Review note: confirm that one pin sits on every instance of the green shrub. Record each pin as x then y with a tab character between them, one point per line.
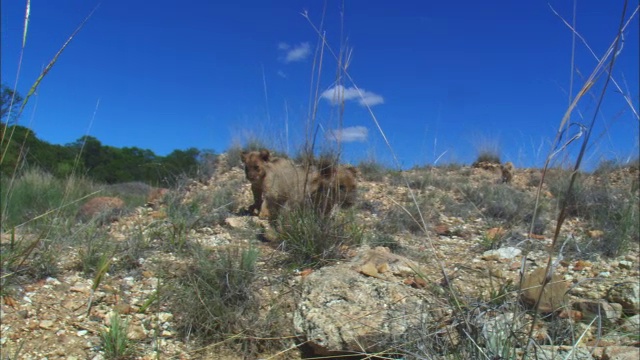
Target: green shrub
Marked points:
313	239
214	298
187	211
36	193
372	170
115	343
614	210
501	202
487	156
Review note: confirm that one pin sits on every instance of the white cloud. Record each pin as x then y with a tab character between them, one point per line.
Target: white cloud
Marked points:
338	93
295	53
348	134
282	74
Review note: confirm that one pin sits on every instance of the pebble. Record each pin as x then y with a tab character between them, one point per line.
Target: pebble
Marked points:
624	264
46	324
165	317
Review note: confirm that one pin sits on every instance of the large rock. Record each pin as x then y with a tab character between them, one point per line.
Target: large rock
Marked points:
360	306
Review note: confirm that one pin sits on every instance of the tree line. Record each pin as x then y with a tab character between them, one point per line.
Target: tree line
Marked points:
107	164
20	148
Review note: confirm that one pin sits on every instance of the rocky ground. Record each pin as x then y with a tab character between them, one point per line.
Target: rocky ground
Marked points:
382	291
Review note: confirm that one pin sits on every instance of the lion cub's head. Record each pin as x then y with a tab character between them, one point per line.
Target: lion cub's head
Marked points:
254	162
335	185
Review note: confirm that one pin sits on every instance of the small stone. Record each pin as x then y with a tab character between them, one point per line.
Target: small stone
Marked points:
165	317
581	265
136	332
595	234
79	289
624	264
46	324
52	281
235	222
122	308
502	253
82	332
605	274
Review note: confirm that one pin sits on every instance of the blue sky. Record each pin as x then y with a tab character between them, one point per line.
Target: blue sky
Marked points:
442	78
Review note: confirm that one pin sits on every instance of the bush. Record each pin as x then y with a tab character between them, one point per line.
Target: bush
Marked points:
487	156
501	202
214	300
187	211
612	210
35	193
372	170
115	343
312	239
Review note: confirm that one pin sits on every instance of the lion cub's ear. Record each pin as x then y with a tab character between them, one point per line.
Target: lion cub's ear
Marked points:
243	156
265	154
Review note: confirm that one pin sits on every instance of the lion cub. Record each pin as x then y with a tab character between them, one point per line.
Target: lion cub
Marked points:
335	185
507	172
254	171
277	183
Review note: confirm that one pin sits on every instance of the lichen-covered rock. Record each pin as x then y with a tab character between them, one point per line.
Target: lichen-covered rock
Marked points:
626	294
344	309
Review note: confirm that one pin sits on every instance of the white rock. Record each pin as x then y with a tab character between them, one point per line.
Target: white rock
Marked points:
164	316
502	253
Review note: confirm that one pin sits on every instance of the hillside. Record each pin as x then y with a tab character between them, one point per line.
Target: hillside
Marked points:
197	277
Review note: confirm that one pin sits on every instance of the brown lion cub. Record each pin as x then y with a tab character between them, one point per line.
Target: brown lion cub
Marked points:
254	171
507	172
335	185
288	185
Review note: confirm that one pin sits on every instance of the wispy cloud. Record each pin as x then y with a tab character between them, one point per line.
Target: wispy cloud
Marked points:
294	53
282	74
338	93
348	134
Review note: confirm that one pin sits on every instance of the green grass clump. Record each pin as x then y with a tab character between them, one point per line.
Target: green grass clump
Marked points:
487	156
187	211
313	239
501	202
612	209
115	343
35	193
372	170
214	298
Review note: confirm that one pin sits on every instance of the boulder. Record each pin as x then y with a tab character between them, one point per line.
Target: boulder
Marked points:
360	306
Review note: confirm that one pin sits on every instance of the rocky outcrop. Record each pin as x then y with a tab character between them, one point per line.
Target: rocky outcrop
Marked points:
360	306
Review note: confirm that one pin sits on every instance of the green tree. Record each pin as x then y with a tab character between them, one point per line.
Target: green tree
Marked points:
9	103
180	163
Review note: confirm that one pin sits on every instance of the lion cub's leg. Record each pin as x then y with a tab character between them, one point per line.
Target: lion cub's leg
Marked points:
256	189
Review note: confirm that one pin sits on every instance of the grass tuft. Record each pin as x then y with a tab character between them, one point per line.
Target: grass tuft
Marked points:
115	343
312	239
